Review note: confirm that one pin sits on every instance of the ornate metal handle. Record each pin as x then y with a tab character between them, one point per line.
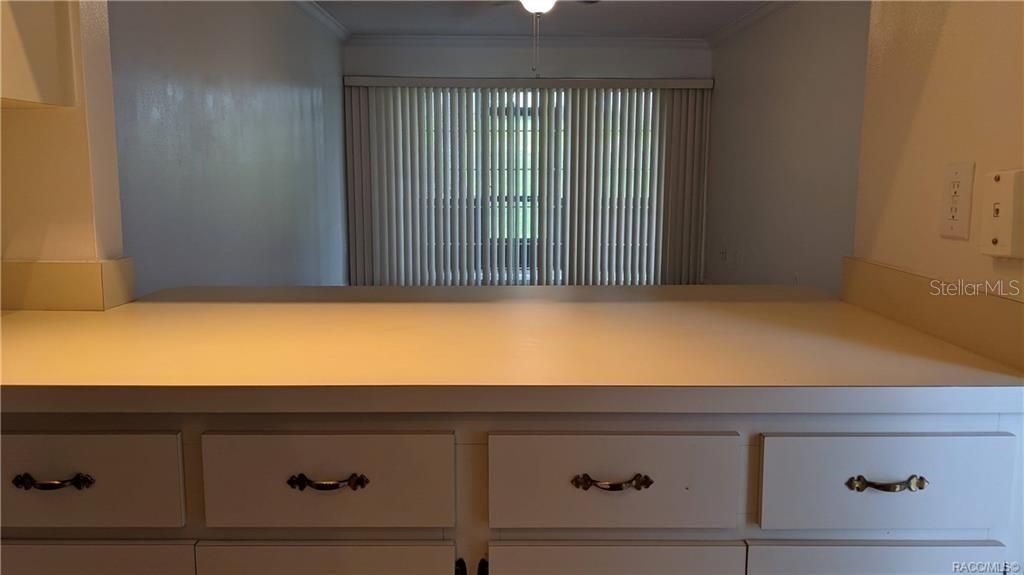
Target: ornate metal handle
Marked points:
354	482
638	482
913	483
80	481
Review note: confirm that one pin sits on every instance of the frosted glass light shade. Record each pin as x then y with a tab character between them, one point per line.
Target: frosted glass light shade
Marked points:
537	6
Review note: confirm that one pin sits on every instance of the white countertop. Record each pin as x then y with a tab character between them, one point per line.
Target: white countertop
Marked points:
678	337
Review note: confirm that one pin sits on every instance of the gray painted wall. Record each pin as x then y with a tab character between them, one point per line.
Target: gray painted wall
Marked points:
512	57
785	138
229	143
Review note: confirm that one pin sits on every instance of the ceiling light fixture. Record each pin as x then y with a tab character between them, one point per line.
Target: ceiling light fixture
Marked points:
537	6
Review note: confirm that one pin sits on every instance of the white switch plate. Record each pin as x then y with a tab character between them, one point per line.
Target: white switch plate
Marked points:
1002	217
957	191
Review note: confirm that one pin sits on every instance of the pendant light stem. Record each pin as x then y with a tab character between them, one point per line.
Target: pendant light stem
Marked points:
536	44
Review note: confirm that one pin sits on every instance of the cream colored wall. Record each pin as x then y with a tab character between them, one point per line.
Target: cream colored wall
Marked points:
47	200
35	40
98	95
785	131
229	131
945	83
59	186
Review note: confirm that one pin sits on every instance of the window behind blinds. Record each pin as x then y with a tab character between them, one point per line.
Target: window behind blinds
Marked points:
510	186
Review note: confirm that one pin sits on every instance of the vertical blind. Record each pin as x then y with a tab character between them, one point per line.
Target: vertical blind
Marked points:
525	186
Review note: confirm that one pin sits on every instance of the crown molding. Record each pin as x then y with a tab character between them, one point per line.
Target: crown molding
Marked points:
320	14
474	41
746	20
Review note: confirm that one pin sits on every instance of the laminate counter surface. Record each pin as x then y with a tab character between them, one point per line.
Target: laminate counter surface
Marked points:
726	336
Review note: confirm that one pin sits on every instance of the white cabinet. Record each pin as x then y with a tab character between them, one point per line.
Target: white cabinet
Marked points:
518	498
937	481
329	480
650	480
92	480
611	558
97	558
324	558
873	557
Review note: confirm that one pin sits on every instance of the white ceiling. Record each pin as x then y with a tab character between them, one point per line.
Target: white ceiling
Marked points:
610	18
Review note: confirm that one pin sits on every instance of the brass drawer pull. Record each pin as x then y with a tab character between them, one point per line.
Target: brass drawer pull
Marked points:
913	483
354	482
638	482
80	481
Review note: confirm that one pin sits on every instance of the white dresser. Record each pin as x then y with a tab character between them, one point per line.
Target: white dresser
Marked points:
687	438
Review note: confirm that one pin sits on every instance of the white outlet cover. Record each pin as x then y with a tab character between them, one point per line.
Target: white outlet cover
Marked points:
957	196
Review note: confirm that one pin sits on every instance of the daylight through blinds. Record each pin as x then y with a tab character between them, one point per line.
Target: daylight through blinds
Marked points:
525	186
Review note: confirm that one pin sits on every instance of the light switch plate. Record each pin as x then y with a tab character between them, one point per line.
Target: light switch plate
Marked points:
957	191
1002	217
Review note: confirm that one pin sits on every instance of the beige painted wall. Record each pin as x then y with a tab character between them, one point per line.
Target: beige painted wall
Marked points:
98	95
59	179
945	83
229	132
784	146
36	47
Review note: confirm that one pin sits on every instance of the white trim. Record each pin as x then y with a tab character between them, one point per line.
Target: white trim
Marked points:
424	82
757	14
321	15
467	40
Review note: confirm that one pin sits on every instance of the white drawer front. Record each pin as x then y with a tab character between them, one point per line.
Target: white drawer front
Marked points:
872	558
805	481
411	480
289	558
98	558
696	480
137	480
610	558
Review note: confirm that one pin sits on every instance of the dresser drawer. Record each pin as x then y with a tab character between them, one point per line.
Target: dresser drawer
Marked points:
542	480
98	558
842	481
286	480
108	480
324	558
872	557
613	558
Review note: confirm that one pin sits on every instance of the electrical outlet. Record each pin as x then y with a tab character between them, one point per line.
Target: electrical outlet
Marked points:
957	192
